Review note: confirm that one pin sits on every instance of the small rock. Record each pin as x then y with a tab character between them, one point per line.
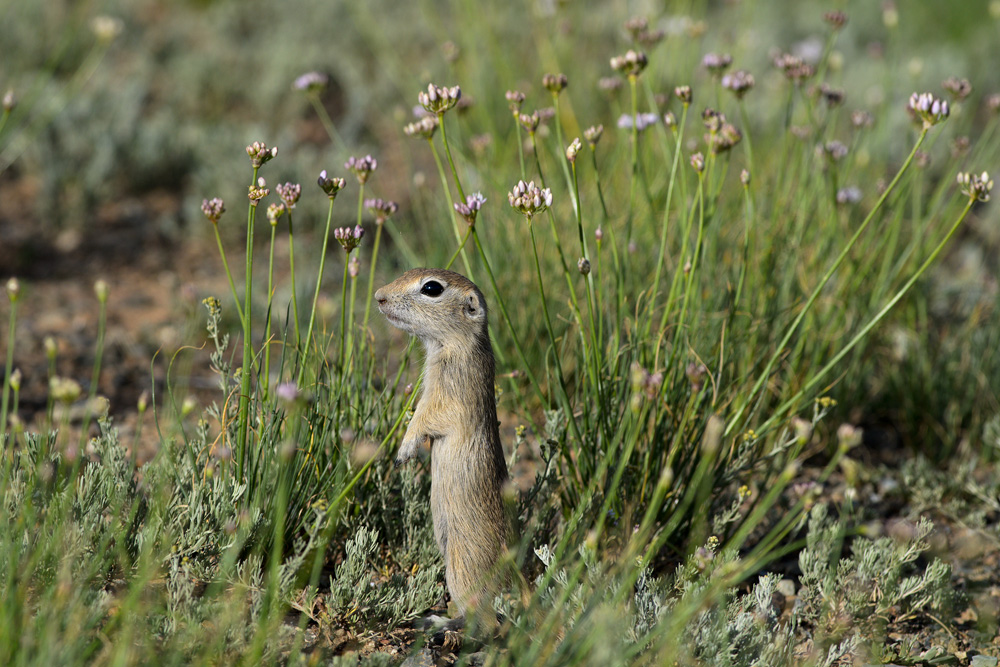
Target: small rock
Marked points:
422	658
983	661
786	587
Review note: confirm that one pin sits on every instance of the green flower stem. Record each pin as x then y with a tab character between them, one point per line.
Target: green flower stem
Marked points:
371	278
451	162
8	367
560	147
451	203
657	275
343	318
689	282
229	275
555	237
319	282
461	246
510	325
679	272
247	368
814	380
595	348
267	319
765	373
520	145
564	393
634	182
291	269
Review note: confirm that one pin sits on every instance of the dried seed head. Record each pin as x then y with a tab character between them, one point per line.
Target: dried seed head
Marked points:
670	120
890	15
529	200
331	186
257	192
598	235
425	127
803	430
583	265
745	177
450	51
640	122
362	167
106	28
260	154
631	64
795	69
695	373
927	109
960	146
609	83
469	209
976	187
959	88
572	150
836	19
683	93
861	118
593	134
739	82
13	289
9	101
712	119
312	82
698	162
849	195
289	193
275	211
650	38
515	99
438	100
635	26
530	122
723	140
848	436
833	97
349	238
834	150
555	83
381	209
64	390
716	63
213	209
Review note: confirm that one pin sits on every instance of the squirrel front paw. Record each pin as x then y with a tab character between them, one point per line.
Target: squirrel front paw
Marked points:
410	447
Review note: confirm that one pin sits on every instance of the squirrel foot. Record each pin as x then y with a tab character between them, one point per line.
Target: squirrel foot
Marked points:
437	623
411	447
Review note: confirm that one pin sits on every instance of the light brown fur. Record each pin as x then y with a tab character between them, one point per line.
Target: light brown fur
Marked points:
457	414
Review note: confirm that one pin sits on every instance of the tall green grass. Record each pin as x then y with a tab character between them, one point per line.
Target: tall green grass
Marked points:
675	300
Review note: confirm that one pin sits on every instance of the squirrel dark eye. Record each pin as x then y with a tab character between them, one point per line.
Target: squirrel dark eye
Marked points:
432	288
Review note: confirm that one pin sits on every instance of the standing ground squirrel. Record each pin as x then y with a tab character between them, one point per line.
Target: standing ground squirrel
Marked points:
457	416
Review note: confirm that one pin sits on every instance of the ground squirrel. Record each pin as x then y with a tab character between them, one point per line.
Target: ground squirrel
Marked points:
457	416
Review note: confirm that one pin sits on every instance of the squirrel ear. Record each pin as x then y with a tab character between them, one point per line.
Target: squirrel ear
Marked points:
472	307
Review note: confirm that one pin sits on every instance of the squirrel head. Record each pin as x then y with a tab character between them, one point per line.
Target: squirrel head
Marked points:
442	308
